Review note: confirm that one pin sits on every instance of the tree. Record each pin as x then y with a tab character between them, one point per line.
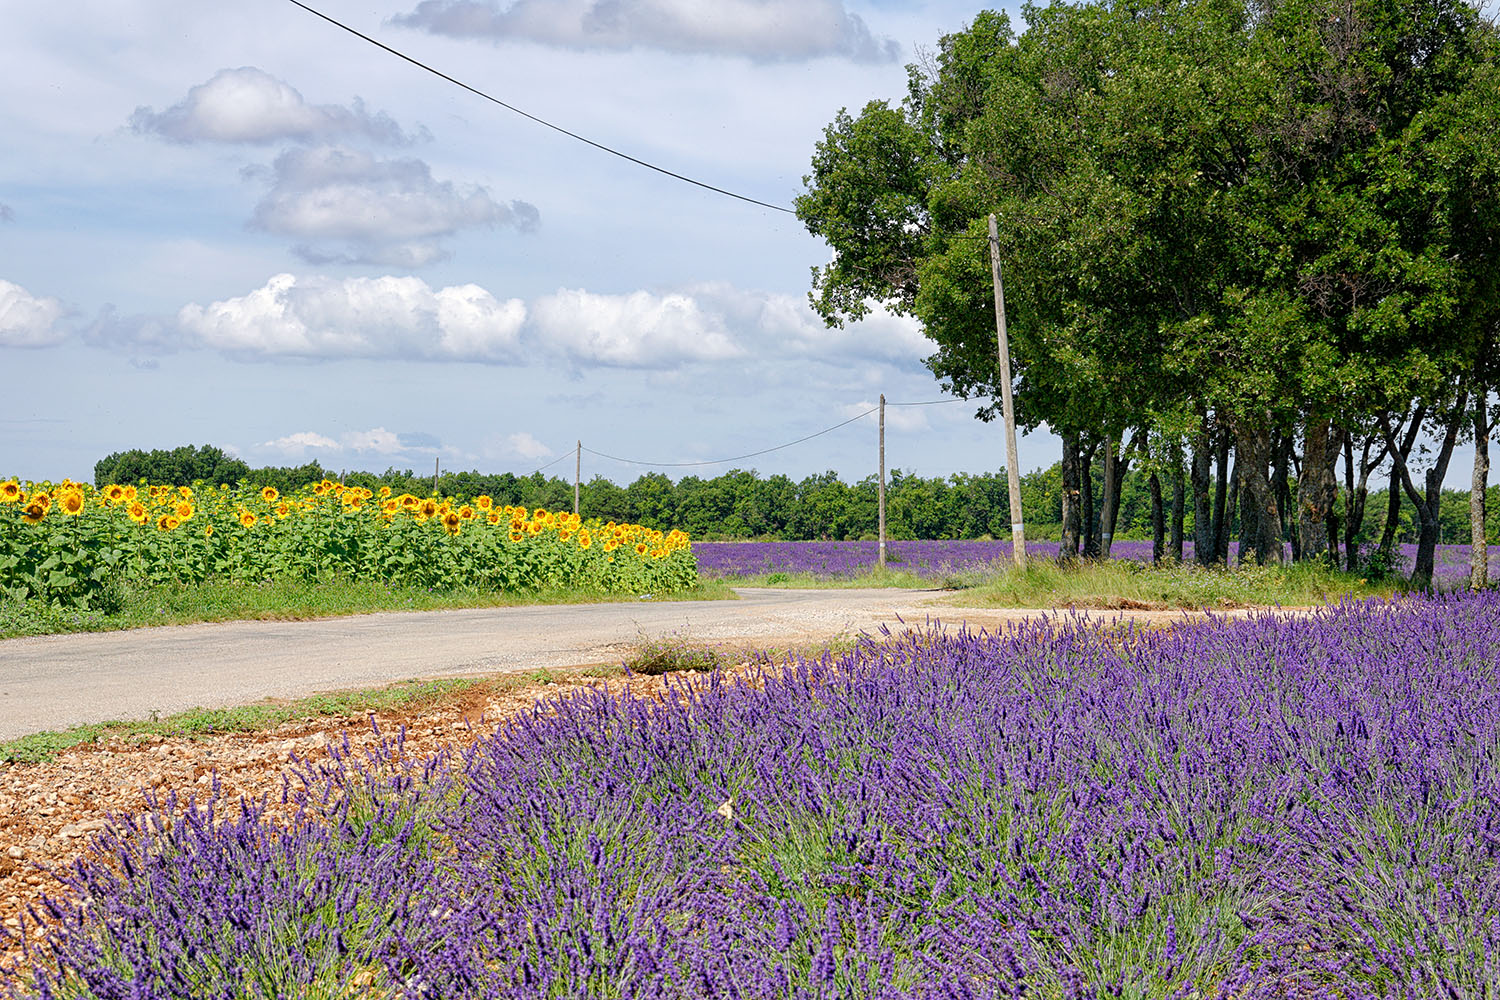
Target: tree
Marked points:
1258	214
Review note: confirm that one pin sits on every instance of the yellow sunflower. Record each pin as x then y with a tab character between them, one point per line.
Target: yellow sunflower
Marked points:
184	511
493	517
515	535
641	548
247	519
585	539
71	503
429	508
127	494
283	511
483	502
33	512
451	522
43	499
208	531
137	512
114	493
385	491
466	512
269	494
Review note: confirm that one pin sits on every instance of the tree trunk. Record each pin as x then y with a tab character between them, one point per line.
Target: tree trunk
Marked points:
1317	488
1398	455
1221	513
1428	499
1068	553
1387	547
1158	521
1356	493
1179	507
1203	522
1479	552
1109	503
1281	460
1260	518
1086	488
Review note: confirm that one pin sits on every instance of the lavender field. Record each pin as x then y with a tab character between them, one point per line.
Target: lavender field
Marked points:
1278	807
933	559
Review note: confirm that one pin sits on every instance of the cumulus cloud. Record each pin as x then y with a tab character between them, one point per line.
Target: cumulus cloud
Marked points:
301	443
386	317
27	320
519	445
633	330
405	318
353	207
898	418
763	30
248	105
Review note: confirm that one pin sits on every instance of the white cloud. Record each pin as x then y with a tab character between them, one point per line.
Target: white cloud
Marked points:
301	443
354	207
519	445
26	320
763	30
897	418
376	439
248	105
634	330
386	317
788	323
7	214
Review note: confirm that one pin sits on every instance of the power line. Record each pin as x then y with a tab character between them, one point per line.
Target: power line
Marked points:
549	464
572	135
763	451
540	121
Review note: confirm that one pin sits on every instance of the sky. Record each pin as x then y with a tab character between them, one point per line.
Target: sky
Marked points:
238	225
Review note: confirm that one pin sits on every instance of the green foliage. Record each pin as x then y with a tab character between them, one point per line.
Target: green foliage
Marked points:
670	654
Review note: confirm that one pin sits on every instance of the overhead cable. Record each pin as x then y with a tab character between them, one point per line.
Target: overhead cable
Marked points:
570	134
763	451
540	121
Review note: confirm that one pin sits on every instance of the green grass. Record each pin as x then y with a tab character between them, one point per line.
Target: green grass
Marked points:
218	601
870	578
1124	584
408	696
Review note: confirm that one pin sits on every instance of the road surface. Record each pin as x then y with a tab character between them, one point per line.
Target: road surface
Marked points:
54	682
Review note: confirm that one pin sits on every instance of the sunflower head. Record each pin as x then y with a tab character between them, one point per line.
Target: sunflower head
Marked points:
269	494
184	510
138	512
385	491
466	512
33	512
429	508
10	492
43	499
515	535
114	493
483	502
71	503
493	517
127	494
451	522
247	519
208	531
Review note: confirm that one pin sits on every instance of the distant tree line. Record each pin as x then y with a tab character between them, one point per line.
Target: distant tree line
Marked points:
741	504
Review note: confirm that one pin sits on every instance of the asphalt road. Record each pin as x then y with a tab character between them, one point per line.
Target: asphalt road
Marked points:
54	682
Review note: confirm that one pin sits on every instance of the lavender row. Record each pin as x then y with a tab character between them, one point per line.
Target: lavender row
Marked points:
1272	808
941	558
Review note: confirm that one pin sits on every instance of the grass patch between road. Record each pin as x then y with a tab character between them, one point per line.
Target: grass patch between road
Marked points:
296	600
1124	584
407	696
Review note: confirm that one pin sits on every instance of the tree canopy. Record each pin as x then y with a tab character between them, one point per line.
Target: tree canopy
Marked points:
1259	228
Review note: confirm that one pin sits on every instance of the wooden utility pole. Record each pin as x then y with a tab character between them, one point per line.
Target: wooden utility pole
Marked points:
882	481
435	463
1007	408
577	471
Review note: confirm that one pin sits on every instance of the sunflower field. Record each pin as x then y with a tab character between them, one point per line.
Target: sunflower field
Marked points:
69	544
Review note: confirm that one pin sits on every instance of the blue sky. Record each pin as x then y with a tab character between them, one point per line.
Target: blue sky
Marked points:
238	225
